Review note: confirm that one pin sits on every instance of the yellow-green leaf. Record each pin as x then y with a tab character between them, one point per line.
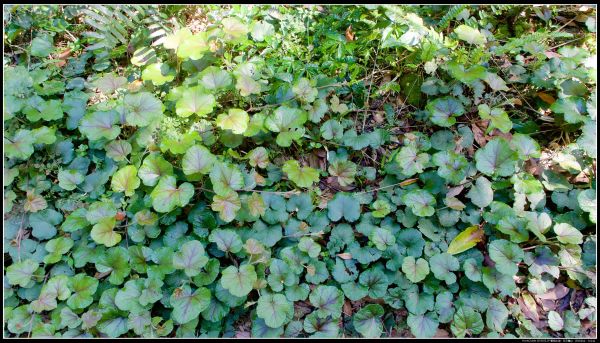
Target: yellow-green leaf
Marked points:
466	240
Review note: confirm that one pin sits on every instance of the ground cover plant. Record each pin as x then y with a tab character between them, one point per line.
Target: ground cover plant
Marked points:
299	171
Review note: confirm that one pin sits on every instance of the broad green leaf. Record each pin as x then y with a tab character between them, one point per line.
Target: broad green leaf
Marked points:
191	46
235	120
166	196
555	321
525	146
444	110
368	322
411	161
142	109
328	300
214	78
572	108
317	327
191	258
187	305
332	129
256	204
587	202
127	298
497	116
343	205
44	223
118	150
506	255
99	211
381	209
103	232
495	82
226	240
158	73
44	135
309	246
415	270
226	177
151	292
261	30
110	83
567	234
57	247
174	40
258	157
304	91
588	139
247	85
234	29
153	168
197	159
20	146
83	288
422	326
421	202
227	205
239	281
497	315
195	100
481	192
337	107
344	171
443	265
42	45
301	176
125	180
382	238
466	322
75	221
275	309
288	122
451	166
20	273
496	158
69	179
100	124
470	35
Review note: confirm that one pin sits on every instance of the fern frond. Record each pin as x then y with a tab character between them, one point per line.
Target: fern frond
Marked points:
113	26
539	37
452	13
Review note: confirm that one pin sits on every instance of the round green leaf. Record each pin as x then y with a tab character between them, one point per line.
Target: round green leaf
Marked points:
125	180
368	322
239	282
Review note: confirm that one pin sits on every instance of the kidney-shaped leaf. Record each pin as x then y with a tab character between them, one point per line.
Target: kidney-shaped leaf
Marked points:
496	158
239	282
301	176
227	205
100	124
343	205
191	258
166	196
195	100
444	110
275	309
368	322
187	305
197	159
125	180
142	109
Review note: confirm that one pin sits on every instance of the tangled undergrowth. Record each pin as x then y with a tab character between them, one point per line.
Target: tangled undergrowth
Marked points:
299	171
